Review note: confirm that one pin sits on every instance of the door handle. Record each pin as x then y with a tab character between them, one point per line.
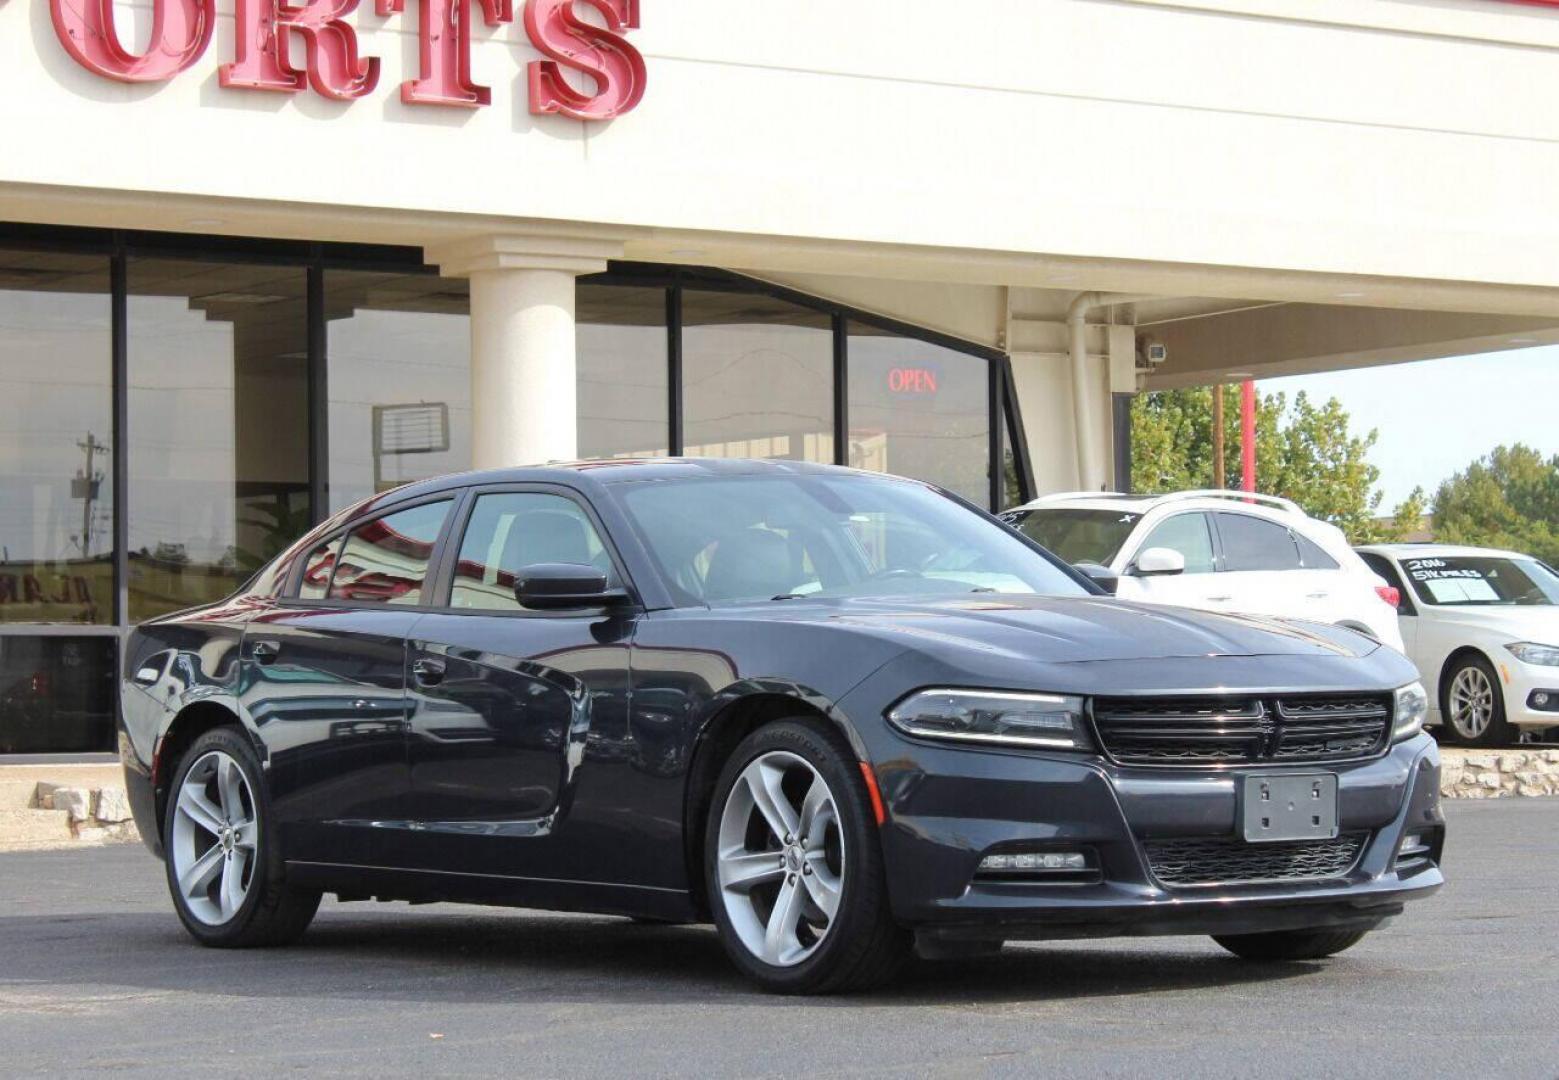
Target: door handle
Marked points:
1317	595
428	672
1219	599
265	652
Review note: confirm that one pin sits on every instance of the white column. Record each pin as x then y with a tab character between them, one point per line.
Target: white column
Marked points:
523	366
1043	380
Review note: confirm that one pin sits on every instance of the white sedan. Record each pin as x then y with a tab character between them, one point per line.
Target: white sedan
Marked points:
1483	627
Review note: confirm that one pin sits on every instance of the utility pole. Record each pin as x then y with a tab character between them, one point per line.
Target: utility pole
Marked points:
1220	475
85	487
1248	433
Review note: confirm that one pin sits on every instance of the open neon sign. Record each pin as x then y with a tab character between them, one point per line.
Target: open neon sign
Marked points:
908	380
181	32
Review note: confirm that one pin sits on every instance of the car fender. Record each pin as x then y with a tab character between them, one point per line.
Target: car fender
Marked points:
751	691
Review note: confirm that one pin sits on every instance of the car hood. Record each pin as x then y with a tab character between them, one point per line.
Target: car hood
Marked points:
1533	622
1076	630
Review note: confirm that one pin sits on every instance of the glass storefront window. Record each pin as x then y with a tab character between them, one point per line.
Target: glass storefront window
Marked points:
920	410
757	378
56	436
399	378
624	375
1011	482
218	439
219	405
56	694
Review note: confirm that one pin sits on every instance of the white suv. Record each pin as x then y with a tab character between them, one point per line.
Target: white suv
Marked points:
1219	550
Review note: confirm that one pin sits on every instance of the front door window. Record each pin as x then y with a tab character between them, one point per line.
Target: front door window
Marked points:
1189	535
510	531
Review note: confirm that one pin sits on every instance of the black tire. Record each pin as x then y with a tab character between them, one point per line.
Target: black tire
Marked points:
1499	731
863	946
1283	946
272	912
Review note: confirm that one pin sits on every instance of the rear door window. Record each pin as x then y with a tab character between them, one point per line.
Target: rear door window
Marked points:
386	560
1252	543
1188	534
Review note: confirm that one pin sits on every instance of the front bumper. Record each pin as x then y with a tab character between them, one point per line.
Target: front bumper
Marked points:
946	808
1518	682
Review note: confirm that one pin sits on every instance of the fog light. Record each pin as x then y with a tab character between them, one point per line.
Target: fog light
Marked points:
1540	699
1035	861
1414	845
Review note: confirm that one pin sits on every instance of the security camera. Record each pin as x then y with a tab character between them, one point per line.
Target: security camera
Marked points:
1156	354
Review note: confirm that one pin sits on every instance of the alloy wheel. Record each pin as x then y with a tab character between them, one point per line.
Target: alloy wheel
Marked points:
215	833
1472	702
781	858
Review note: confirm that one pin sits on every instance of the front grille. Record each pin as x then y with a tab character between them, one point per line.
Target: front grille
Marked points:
1242	730
1229	861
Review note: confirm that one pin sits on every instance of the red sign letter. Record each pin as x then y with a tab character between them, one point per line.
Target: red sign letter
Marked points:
445	35
264	31
616	67
181	30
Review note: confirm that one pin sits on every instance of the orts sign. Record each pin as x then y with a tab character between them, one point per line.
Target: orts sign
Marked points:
181	30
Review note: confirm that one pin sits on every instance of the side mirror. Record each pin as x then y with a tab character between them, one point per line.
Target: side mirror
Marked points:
1159	562
563	586
1101	576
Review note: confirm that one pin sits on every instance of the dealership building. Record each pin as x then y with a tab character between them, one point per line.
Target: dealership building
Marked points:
260	260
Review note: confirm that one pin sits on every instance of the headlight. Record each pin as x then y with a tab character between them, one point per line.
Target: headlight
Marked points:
1051	721
1531	653
1412	709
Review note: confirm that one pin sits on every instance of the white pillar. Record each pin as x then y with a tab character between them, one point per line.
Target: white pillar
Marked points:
523	365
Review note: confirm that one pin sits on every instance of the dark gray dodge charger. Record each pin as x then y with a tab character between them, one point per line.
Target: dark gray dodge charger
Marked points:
846	717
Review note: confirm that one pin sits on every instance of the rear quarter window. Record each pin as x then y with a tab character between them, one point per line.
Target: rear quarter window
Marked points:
1253	543
1311	555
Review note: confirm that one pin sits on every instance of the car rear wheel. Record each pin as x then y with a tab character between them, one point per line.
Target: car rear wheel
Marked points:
223	866
794	868
1472	706
1287	945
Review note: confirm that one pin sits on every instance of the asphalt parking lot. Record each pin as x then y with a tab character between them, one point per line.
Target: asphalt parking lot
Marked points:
96	976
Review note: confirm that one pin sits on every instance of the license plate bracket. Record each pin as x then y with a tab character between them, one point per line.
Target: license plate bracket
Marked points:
1298	806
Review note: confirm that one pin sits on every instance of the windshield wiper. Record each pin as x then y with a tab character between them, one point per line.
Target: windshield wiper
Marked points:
789	596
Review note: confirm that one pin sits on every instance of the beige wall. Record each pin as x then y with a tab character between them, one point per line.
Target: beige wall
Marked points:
947	165
1182	132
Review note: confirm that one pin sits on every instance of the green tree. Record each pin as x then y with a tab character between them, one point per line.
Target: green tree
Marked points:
1508	499
1306	452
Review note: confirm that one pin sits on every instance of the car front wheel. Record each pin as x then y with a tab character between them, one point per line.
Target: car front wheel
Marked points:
1472	705
224	869
794	868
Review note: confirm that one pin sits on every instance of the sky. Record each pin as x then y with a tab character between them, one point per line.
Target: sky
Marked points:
1436	416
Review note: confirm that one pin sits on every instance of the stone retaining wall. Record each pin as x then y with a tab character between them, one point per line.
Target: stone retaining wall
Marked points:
1497	774
97	815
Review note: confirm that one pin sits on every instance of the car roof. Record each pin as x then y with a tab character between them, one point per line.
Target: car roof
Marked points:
585	474
610	470
1264	505
1432	551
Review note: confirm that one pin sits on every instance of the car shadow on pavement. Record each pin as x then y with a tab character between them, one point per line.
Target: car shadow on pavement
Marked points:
449	958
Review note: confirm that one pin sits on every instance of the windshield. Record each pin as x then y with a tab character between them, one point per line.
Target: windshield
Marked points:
1077	536
732	539
1477	580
